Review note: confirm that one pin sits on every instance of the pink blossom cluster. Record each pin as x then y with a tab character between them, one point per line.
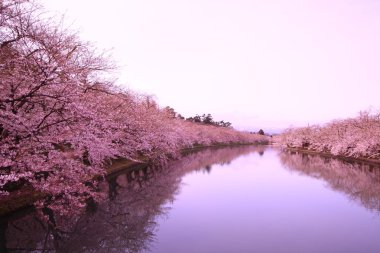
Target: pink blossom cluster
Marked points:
354	137
62	121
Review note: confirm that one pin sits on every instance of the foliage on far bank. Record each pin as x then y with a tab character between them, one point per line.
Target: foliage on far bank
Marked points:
205	119
62	120
357	137
208	120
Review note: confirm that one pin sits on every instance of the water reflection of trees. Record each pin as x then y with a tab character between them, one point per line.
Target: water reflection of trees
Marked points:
361	182
123	223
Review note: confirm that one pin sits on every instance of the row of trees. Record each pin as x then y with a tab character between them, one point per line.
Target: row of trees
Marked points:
355	137
62	120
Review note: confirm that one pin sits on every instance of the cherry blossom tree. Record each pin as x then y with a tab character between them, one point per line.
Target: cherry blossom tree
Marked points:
62	121
51	137
355	137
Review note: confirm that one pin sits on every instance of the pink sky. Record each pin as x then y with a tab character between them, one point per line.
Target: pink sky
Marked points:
258	64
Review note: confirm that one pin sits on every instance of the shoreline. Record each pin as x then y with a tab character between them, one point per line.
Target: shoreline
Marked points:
350	159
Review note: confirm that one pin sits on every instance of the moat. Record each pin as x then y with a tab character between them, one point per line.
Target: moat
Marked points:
232	199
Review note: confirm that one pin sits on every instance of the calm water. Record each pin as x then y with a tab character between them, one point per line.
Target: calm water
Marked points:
242	199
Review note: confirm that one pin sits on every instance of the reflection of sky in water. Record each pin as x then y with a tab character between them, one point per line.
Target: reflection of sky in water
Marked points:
242	199
254	204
